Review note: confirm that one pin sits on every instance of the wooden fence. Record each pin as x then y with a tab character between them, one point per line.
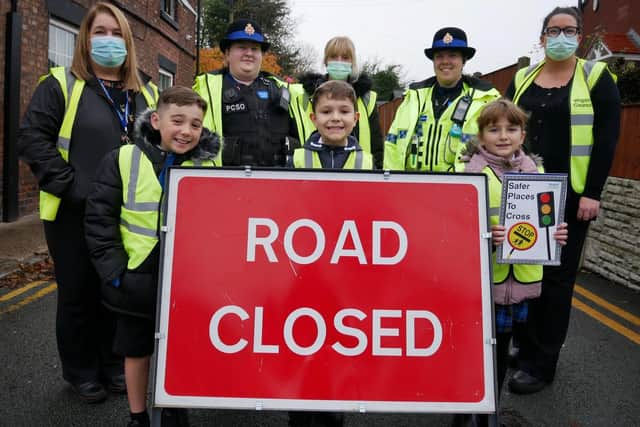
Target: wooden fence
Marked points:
626	163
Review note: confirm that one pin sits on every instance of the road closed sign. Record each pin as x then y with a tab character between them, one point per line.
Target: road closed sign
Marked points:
325	291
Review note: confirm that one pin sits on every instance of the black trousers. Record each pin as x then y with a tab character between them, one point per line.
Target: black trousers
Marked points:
548	319
84	327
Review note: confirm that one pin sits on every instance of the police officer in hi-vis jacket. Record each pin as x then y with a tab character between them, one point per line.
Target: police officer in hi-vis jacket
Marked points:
438	115
249	108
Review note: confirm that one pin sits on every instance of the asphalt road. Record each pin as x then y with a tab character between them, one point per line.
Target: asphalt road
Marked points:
598	381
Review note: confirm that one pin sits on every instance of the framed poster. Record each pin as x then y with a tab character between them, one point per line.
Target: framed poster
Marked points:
532	206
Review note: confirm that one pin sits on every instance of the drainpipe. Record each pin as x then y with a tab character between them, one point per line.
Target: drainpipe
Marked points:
10	171
198	35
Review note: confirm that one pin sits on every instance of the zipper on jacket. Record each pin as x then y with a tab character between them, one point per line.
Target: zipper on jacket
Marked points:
436	146
426	145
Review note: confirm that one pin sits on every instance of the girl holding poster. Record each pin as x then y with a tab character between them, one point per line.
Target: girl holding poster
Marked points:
498	150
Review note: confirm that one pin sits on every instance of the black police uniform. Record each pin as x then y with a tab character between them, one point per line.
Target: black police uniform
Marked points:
258	129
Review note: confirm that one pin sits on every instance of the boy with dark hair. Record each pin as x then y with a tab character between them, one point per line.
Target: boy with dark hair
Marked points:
332	146
122	219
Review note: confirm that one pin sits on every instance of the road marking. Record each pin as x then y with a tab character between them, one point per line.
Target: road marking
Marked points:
42	292
605	304
20	291
622	330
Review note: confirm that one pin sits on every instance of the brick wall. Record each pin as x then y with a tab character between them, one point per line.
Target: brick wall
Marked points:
611	248
153	35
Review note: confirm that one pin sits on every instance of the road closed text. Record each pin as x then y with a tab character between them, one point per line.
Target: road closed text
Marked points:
263	232
428	321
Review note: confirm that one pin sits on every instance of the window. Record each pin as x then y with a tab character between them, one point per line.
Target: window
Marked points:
62	41
168	7
166	80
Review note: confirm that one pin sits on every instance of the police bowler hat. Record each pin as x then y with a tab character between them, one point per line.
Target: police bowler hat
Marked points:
450	38
243	30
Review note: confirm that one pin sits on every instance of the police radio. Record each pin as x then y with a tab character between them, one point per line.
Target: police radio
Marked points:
285	98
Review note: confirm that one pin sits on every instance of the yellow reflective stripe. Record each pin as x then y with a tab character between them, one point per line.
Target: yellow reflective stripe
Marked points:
132	189
64	136
359	160
308	159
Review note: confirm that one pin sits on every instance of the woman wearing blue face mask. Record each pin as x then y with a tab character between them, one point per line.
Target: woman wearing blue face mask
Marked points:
340	63
75	117
574	125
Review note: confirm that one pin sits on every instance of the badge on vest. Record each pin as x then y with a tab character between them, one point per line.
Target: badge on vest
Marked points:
238	107
262	94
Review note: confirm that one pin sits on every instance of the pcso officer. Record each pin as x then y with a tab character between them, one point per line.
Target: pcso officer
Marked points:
438	115
247	107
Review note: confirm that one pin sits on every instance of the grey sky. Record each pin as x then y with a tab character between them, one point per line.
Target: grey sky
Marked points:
397	31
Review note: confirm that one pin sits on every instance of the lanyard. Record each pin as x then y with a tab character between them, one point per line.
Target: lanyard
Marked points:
122	117
168	161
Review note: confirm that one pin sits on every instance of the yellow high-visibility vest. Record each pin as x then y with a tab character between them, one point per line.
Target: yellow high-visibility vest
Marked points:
585	77
49	204
140	211
303	158
417	141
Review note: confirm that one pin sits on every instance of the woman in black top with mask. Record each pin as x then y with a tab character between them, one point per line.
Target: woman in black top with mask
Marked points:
574	125
75	117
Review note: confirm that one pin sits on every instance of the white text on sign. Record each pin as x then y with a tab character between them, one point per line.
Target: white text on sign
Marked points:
378	332
349	229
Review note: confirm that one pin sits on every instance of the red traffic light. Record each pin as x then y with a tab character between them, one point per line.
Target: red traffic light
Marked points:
545	197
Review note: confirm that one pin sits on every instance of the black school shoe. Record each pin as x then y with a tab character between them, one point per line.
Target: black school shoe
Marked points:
524	383
90	391
117	384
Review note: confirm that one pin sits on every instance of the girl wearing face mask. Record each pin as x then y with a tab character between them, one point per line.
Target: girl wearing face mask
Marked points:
574	109
75	117
340	64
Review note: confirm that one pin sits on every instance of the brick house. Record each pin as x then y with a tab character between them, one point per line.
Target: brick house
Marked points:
44	33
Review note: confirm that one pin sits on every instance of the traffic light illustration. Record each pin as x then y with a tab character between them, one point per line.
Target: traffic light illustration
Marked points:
546	209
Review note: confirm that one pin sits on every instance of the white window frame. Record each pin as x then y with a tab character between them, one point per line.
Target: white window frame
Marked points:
168	74
62	26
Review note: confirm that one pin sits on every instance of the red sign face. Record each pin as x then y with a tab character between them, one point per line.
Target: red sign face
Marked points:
325	290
